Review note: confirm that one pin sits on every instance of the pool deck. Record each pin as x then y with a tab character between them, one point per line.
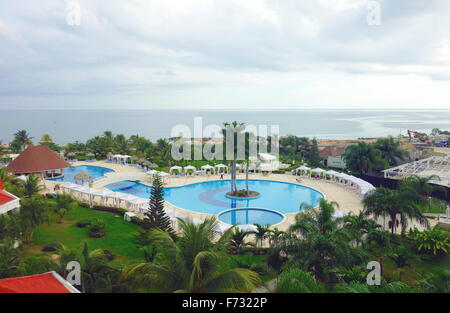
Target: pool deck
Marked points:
348	199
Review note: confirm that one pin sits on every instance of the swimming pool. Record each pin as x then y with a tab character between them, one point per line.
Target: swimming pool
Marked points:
209	197
251	216
95	171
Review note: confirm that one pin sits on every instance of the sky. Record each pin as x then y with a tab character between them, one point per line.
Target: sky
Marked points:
233	54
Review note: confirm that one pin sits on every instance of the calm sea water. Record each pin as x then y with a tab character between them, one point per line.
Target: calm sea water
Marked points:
70	125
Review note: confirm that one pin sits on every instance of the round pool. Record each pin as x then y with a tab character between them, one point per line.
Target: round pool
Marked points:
210	197
246	216
96	172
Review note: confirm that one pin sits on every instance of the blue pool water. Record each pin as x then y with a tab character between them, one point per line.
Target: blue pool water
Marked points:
209	197
250	216
95	171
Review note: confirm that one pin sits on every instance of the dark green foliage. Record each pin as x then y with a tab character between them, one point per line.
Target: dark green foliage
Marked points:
157	217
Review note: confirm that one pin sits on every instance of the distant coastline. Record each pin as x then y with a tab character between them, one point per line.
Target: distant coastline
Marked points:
71	125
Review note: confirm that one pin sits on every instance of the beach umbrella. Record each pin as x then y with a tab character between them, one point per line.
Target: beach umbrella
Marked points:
82	176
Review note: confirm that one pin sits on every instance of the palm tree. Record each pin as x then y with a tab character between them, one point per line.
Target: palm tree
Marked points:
422	185
33	212
363	158
390	150
31	185
320	245
232	130
96	274
261	233
46	138
401	203
196	263
23	138
359	226
237	242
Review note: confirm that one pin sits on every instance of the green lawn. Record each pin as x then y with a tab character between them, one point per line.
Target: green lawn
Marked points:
119	235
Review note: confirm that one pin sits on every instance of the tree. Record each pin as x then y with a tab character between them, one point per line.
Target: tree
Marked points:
318	244
261	233
363	158
359	226
121	144
436	240
231	132
156	217
31	185
46	138
10	261
23	139
297	281
63	203
390	150
32	213
422	185
313	155
399	205
99	146
196	263
237	241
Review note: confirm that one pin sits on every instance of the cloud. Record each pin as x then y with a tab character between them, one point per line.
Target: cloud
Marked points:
159	52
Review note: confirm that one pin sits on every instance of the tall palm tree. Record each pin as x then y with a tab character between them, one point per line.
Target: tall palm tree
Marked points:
399	205
23	138
196	263
232	130
261	233
31	185
359	226
390	150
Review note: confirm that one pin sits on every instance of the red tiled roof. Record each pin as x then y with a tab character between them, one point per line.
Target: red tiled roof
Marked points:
37	159
41	283
4	198
331	151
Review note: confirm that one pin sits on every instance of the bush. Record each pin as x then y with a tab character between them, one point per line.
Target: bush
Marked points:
83	223
261	268
279	172
117	211
96	229
51	247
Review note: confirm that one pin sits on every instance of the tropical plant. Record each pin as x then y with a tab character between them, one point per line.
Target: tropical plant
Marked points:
63	203
422	185
297	281
390	150
435	240
399	205
359	226
23	138
237	241
363	158
196	263
10	261
33	211
31	185
156	216
231	132
261	233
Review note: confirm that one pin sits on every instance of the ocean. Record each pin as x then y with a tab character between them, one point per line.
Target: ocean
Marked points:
70	125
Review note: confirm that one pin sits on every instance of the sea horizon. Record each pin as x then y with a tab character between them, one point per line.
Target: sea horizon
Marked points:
70	125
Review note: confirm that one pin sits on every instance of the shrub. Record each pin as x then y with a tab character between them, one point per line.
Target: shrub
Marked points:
96	229
436	240
51	247
83	223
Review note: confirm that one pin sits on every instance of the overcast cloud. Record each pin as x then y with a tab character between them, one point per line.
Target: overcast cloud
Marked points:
224	54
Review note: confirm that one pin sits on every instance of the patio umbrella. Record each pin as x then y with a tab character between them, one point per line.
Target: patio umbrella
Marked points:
82	176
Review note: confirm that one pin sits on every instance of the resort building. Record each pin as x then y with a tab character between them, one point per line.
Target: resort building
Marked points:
40	160
8	201
435	165
332	156
49	282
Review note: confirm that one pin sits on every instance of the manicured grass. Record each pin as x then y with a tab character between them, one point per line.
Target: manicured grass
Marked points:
119	235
